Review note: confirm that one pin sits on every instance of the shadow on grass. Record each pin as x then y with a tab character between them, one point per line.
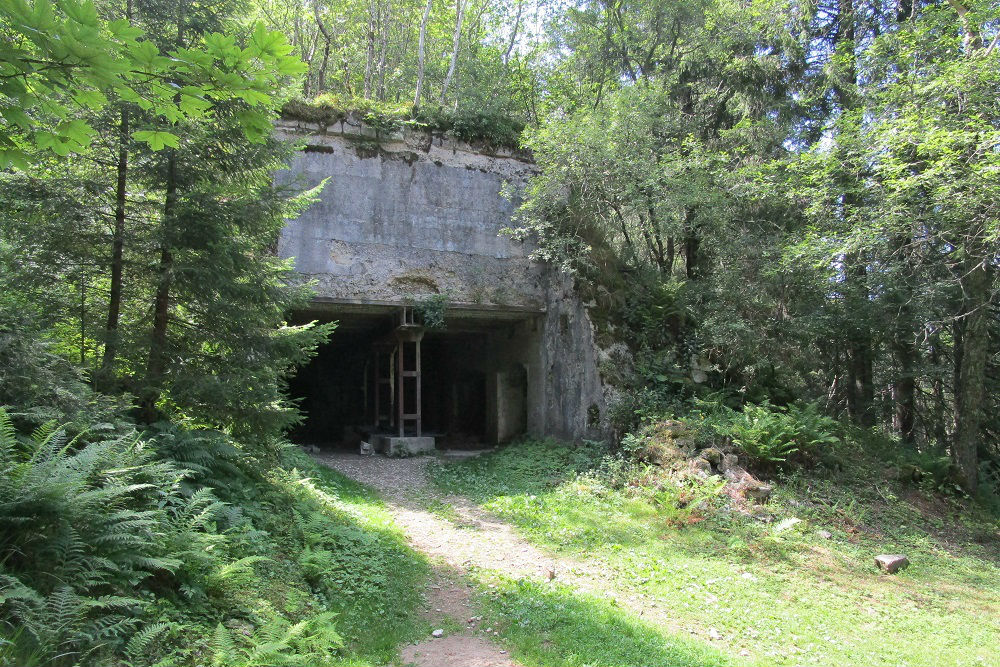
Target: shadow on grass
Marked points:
554	627
357	560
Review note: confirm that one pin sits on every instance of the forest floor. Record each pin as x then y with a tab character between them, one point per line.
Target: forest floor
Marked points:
536	564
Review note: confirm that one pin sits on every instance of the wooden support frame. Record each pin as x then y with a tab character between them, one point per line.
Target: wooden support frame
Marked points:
390	368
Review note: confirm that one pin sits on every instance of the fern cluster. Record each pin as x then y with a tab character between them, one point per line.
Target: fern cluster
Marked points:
82	525
112	553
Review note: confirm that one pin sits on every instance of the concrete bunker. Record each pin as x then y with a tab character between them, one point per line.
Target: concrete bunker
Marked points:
385	379
420	217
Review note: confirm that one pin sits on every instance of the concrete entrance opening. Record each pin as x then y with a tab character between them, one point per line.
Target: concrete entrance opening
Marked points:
385	379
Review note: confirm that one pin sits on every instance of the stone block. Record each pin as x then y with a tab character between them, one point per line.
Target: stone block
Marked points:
405	446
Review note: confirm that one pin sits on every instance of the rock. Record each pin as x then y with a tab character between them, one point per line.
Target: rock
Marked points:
825	534
712	455
892	563
728	462
437	633
700	466
713	634
787	524
366	449
758	491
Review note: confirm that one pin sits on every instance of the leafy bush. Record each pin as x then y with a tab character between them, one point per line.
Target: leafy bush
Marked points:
431	310
109	553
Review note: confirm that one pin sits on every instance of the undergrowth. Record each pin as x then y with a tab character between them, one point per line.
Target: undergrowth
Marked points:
114	549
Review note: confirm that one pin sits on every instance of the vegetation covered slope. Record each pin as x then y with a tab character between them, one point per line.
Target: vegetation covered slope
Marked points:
753	582
112	553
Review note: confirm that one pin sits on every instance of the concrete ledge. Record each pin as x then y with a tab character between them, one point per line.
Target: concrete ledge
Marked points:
407	446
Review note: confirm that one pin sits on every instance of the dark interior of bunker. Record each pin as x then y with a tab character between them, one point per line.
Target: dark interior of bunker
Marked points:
462	385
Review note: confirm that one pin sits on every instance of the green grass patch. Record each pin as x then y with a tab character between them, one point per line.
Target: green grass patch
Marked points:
785	596
552	626
354	559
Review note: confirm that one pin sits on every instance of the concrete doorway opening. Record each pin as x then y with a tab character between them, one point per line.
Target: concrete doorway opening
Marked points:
386	380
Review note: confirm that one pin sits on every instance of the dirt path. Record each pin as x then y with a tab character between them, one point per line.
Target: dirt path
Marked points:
458	536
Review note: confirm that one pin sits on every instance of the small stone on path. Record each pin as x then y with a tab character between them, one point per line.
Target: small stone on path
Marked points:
438	633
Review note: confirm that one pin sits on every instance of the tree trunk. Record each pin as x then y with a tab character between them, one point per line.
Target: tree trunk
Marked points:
161	303
970	386
692	245
370	50
860	355
904	388
383	49
155	364
420	55
513	32
903	345
117	248
117	238
321	76
460	9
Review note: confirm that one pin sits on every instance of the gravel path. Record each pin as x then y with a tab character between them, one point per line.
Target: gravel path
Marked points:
460	536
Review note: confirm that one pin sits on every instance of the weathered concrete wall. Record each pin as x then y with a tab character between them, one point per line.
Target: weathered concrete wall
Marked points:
406	217
414	214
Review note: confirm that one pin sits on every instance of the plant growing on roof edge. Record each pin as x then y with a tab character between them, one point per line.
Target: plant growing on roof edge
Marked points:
431	309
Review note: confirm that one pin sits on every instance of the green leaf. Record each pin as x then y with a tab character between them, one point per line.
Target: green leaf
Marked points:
17	117
157	139
256	126
92	99
13	158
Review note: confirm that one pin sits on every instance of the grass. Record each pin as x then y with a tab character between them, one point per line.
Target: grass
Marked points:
772	596
372	578
552	625
492	128
327	544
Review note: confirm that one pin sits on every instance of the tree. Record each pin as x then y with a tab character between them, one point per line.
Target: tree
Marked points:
59	58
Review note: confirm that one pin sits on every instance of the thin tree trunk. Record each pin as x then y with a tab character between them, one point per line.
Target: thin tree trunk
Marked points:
370	51
420	55
161	303
117	247
903	344
321	77
456	42
860	358
692	245
513	33
155	364
117	238
383	49
970	387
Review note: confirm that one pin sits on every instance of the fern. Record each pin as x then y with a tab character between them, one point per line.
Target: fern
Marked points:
140	642
82	524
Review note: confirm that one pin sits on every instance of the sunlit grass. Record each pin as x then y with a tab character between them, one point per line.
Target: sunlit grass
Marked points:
782	597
